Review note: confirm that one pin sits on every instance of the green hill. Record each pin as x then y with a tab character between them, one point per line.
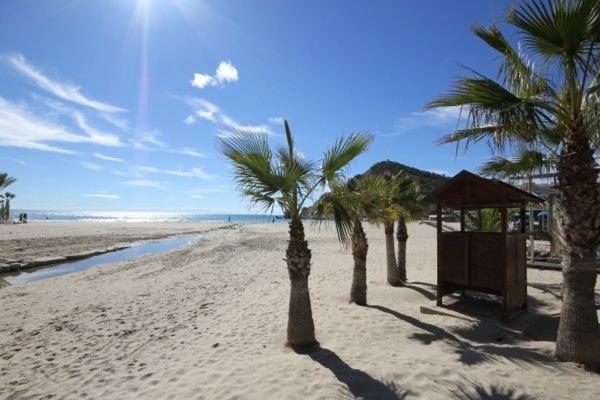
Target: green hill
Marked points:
427	180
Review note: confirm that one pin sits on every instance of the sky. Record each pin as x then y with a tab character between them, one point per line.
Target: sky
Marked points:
118	104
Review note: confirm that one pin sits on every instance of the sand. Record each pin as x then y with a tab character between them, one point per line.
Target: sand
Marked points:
208	322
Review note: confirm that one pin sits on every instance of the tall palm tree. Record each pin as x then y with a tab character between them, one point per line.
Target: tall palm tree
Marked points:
408	202
554	108
348	204
285	177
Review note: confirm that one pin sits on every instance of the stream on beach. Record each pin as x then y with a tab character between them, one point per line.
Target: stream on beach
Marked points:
136	251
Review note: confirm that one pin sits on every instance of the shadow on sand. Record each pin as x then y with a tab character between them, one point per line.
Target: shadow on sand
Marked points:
470	353
426	293
359	384
493	392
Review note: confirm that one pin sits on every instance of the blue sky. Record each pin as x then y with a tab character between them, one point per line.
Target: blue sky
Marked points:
117	104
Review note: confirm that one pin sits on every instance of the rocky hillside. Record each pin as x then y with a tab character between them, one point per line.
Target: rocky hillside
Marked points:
427	180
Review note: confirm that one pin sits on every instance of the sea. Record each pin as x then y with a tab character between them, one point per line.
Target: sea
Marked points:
143	216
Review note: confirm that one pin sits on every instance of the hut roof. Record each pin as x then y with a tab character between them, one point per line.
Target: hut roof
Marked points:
468	190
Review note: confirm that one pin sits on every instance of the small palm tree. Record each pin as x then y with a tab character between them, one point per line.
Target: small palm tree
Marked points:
7	198
288	179
554	108
409	205
347	205
5	181
483	220
399	202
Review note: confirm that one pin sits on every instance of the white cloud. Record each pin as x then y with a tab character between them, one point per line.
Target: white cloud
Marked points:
276	120
225	72
107	158
191	173
192	152
143	183
102	196
117	122
96	136
204	109
443	117
65	91
148	141
19	127
202	80
198	196
91	166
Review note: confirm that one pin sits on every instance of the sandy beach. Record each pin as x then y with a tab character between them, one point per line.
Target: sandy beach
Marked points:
208	322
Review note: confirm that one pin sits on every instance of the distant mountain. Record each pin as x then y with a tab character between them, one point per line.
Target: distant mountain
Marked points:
427	180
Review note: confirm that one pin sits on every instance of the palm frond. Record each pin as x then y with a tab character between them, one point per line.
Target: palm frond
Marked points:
483	220
344	150
340	206
6	180
495	113
526	162
517	72
252	160
554	28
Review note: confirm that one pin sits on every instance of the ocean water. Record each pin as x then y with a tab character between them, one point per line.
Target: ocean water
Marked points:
142	216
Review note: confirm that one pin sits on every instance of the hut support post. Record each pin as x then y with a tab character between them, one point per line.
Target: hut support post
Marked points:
439	234
504	258
522	219
462	219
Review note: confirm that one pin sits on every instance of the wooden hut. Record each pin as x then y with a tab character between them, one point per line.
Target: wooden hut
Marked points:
488	262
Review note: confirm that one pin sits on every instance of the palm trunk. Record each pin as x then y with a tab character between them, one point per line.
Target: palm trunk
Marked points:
7	211
392	269
301	329
358	293
402	237
579	218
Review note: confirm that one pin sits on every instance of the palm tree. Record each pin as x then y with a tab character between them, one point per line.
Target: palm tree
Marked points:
555	109
483	220
7	198
348	204
6	180
397	205
288	179
408	203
